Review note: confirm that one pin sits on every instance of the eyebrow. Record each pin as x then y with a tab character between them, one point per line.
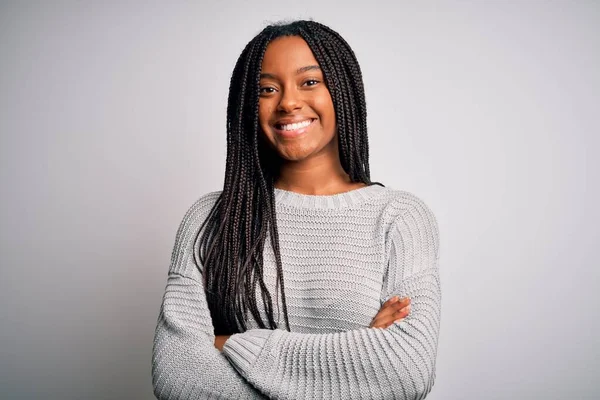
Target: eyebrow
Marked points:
298	71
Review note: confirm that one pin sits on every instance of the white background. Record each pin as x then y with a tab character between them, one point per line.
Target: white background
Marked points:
112	121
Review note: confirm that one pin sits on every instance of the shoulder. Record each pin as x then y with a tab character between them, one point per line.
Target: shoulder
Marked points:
398	204
200	209
187	234
410	218
197	213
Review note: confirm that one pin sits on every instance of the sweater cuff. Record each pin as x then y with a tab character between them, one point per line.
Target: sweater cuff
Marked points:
242	349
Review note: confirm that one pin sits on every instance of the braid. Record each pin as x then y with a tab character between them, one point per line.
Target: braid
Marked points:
231	240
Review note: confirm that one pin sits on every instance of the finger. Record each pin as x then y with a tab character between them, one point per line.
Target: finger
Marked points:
390	307
400	304
386	312
382	321
395	303
401	314
390	301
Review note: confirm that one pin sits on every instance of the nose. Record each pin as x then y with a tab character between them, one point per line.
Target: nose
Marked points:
290	101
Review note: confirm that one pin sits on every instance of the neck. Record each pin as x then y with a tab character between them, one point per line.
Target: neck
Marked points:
321	174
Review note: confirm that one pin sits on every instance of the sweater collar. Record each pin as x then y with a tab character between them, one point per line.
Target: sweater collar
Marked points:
334	201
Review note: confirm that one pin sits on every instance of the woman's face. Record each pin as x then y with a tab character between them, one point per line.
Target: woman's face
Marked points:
296	113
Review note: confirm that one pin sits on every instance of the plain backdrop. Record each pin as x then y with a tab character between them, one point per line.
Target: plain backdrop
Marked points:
112	120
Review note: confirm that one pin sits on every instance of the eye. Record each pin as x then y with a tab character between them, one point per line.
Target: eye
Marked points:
311	82
266	90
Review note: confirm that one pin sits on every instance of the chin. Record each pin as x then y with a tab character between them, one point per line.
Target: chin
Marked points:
296	153
293	156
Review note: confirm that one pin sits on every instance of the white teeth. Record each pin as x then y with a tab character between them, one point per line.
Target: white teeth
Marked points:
295	126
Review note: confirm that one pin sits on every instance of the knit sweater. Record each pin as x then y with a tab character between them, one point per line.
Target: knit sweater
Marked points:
343	256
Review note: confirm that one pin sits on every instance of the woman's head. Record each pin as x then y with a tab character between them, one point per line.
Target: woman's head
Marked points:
291	73
267	91
295	110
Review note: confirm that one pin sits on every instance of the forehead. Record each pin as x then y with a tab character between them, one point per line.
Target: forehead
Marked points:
286	54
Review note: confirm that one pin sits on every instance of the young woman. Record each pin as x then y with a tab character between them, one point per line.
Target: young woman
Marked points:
301	279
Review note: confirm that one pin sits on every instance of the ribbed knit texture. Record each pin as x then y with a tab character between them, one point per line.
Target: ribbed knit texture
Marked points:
343	256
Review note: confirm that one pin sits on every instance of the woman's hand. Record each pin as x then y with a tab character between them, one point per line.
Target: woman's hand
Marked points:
393	310
220	341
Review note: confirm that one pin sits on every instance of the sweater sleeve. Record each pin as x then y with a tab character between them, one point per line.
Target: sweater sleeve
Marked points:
185	362
371	363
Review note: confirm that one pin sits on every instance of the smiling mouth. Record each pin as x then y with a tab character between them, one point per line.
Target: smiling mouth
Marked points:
295	129
294	126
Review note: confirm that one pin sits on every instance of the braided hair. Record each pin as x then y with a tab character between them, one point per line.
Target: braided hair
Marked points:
231	245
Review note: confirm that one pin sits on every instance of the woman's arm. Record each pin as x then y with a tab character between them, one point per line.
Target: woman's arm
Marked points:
393	363
185	362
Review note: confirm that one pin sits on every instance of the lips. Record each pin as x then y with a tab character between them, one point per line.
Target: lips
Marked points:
293	128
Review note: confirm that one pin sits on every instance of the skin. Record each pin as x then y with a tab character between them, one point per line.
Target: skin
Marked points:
292	87
393	310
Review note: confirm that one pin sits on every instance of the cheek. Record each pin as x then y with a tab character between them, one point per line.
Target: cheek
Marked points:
325	106
264	115
264	111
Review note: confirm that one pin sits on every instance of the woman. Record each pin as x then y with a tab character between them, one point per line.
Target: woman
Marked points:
297	280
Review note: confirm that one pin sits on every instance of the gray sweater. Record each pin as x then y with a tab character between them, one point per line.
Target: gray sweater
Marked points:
343	256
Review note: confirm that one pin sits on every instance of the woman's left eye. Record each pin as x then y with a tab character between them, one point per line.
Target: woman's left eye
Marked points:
311	82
